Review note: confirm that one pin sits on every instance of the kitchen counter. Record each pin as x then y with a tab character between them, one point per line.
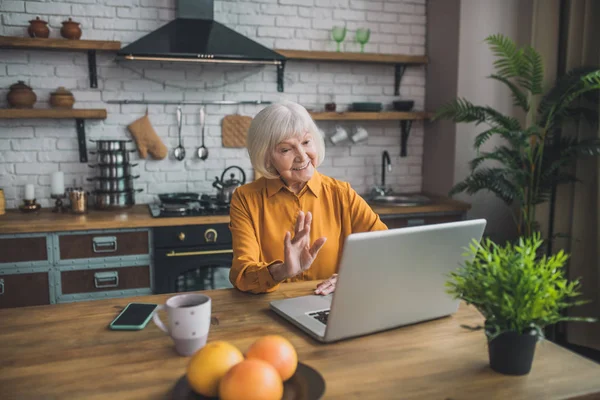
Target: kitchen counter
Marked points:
138	216
66	351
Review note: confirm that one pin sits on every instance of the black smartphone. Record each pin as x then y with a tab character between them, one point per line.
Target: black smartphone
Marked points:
134	317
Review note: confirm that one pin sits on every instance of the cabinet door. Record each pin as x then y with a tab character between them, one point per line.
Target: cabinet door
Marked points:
20	290
23	249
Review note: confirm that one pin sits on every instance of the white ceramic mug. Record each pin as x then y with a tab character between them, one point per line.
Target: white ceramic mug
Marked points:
339	136
360	135
189	321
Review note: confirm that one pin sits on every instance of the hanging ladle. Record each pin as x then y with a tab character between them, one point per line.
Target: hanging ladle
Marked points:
179	151
202	150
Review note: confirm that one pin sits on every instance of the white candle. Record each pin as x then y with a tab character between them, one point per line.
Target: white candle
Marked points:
58	183
29	192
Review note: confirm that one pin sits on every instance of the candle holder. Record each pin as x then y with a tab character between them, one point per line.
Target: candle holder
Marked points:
29	206
58	204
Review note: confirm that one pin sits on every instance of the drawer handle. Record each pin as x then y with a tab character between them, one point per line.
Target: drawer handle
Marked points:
415	222
106	279
105	244
198	253
1	286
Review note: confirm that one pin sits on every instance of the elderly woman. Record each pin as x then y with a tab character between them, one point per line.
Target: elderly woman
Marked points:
290	225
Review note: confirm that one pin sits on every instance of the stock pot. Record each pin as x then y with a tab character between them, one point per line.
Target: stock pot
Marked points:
113	171
114	184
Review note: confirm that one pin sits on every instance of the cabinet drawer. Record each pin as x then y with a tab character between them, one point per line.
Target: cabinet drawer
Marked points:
21	290
104	279
102	245
23	249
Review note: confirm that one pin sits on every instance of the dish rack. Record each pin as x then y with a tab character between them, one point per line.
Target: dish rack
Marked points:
114	178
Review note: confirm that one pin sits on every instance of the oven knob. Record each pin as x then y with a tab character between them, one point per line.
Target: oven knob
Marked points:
210	235
181	236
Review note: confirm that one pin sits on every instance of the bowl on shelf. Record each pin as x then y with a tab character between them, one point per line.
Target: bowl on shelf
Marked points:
367	107
403	105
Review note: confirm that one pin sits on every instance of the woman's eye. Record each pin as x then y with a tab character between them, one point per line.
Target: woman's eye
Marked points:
306	142
285	150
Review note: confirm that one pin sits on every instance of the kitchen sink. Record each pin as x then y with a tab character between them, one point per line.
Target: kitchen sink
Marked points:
399	200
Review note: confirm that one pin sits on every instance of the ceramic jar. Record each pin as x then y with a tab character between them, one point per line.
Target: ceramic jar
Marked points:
62	98
38	28
21	96
70	30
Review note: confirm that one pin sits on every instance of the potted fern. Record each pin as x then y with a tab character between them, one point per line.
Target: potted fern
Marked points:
535	155
518	293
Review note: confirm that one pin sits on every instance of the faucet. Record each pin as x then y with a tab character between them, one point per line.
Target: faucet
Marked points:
385	160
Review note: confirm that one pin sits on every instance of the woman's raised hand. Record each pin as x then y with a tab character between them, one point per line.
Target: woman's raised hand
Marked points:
299	254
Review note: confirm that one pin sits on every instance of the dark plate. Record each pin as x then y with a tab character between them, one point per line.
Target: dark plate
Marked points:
367	107
178	198
305	384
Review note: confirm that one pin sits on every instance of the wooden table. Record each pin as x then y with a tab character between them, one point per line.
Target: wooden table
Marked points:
65	351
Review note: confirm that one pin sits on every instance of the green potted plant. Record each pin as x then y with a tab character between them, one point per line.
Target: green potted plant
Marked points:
535	155
518	293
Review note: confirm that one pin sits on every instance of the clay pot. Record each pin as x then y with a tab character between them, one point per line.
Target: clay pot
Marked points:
21	96
62	98
70	30
38	28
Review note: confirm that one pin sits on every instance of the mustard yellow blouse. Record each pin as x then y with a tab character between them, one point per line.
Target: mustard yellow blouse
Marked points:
262	211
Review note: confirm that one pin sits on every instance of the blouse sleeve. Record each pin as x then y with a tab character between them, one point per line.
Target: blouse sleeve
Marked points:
247	273
363	218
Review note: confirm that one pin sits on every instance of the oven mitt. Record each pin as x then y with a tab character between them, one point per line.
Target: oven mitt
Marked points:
147	139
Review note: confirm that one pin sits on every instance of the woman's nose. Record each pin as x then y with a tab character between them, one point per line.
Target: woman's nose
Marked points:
300	154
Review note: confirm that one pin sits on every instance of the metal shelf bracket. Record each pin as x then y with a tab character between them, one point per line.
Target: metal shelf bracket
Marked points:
399	72
80	125
280	74
92	68
405	126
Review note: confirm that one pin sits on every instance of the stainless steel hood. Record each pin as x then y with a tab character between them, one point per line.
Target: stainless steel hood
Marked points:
194	36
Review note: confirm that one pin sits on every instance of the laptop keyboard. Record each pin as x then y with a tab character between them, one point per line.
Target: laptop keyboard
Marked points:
320	316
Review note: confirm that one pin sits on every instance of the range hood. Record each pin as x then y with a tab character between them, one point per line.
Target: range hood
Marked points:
194	36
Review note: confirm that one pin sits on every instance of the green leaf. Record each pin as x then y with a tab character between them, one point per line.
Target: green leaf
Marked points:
519	98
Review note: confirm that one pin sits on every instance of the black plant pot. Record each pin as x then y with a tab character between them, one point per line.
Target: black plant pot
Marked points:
512	353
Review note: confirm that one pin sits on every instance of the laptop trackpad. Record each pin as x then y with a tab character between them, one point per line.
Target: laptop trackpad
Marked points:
301	305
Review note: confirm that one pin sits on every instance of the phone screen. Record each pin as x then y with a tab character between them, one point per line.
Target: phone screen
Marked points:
135	314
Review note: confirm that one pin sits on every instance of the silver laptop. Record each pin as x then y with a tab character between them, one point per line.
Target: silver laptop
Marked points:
386	279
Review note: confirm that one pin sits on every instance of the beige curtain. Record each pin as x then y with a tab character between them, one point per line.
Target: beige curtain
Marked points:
577	206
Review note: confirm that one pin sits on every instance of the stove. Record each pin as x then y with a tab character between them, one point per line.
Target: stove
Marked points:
206	205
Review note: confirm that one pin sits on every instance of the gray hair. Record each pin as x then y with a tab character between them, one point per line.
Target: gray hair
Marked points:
274	124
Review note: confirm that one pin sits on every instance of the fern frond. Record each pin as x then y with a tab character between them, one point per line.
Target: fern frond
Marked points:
508	123
519	98
534	73
492	179
460	110
510	62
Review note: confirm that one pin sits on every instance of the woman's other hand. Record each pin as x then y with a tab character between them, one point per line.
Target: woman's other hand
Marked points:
298	253
327	286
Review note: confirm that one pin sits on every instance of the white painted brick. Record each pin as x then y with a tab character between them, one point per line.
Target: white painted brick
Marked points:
14	57
12	6
17	156
399	8
30	70
147	25
17	19
417	50
272	9
314	12
394	49
259	20
297	2
17	132
412	19
153	3
135	13
290	22
298	44
113	24
348	162
54	8
382	38
420	9
335	4
166	15
275	32
366	5
348	15
228	8
35	168
417	30
381	16
67	144
58	156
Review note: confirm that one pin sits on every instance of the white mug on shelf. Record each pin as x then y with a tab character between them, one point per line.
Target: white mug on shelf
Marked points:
339	136
360	135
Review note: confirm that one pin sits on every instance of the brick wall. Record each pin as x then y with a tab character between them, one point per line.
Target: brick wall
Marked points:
31	149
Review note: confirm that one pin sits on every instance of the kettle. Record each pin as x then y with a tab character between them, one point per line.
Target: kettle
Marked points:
227	187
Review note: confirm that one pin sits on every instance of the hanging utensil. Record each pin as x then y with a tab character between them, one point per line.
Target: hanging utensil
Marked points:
202	150
179	150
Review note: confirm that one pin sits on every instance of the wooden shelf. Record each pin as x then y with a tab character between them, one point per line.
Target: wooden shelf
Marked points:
400	61
52	113
91	46
369	116
352	57
79	115
15	42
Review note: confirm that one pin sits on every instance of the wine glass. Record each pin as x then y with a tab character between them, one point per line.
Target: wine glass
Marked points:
338	33
362	37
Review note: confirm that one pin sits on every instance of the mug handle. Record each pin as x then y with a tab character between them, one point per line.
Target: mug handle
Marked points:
157	320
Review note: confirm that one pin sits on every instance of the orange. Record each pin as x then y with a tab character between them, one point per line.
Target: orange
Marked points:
209	364
277	351
251	380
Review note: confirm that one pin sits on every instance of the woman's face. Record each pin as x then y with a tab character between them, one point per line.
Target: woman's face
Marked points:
295	159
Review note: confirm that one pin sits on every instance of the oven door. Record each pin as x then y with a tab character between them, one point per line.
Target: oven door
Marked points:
192	270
